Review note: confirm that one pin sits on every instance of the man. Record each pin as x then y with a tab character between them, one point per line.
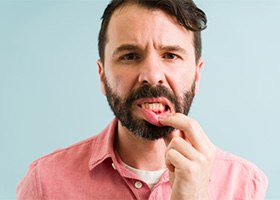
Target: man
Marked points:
149	67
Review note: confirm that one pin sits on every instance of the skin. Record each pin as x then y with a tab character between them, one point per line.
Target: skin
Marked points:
155	49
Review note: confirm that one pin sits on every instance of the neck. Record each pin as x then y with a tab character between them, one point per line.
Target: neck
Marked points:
139	153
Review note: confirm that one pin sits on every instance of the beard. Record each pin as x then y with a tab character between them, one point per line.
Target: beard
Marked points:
122	108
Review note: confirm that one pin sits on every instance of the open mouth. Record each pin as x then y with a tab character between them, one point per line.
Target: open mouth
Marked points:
151	108
156	107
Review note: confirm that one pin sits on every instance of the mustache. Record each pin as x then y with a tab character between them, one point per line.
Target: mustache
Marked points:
148	91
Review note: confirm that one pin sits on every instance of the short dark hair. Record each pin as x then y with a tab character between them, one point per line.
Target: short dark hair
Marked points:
185	11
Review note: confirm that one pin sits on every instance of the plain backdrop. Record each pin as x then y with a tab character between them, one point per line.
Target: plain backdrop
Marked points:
50	96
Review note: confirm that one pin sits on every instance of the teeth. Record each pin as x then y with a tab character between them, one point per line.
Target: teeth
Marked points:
144	106
156	107
161	107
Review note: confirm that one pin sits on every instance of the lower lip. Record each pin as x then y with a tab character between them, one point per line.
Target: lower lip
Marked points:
151	117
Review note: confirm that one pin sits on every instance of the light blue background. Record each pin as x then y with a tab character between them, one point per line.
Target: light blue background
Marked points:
50	93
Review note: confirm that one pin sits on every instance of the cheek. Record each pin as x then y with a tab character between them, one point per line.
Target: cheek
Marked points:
122	84
182	81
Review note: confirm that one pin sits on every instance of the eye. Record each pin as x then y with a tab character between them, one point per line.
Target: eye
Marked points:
129	57
170	56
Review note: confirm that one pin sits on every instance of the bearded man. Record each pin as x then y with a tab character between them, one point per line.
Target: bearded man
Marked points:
149	68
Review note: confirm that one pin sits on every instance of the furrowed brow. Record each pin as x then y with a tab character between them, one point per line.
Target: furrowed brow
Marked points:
125	47
175	48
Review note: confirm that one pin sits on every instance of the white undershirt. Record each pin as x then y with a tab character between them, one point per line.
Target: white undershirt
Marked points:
149	177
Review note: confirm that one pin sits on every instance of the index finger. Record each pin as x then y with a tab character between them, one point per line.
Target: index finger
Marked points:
189	127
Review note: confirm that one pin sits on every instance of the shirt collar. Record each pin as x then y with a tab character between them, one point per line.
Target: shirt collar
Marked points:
103	145
103	148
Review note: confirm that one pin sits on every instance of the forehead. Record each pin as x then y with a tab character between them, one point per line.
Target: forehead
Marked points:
137	24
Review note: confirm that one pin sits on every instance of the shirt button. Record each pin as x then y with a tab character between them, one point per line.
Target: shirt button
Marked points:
138	184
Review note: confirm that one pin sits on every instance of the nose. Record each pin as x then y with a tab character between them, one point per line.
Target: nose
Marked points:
152	71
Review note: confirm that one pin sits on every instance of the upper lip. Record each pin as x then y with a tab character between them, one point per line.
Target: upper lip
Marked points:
164	101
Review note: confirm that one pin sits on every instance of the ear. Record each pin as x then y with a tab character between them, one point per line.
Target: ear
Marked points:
197	75
101	76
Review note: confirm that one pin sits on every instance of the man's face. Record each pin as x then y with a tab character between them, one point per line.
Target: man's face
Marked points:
149	69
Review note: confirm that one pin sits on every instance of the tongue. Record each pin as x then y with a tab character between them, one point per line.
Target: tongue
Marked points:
151	117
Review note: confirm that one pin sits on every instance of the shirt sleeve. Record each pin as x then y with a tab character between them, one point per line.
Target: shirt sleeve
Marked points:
29	187
258	186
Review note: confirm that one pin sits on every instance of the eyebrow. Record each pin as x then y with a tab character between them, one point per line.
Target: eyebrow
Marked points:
126	47
175	48
131	47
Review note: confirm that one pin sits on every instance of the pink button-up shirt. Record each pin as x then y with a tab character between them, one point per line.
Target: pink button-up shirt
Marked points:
92	170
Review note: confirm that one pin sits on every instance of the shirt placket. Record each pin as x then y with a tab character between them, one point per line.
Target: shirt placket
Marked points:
138	187
162	189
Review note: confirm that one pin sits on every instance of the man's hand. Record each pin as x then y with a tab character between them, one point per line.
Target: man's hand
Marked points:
189	158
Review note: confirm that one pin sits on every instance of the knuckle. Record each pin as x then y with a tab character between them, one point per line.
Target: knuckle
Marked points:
175	141
202	160
170	153
211	153
167	154
190	169
191	124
